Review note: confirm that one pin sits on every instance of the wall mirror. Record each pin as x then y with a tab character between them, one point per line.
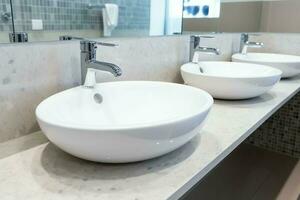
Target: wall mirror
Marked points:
6	26
281	16
46	20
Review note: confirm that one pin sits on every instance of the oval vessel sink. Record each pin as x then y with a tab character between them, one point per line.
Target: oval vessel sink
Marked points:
288	64
228	80
121	122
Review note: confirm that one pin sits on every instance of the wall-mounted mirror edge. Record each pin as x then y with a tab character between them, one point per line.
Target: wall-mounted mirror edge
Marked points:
48	20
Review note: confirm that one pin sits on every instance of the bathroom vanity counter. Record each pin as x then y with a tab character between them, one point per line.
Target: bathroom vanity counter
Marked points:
45	172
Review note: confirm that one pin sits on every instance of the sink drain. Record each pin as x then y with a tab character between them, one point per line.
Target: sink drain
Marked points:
98	98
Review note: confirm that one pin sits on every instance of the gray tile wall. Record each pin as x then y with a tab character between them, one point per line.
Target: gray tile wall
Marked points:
75	15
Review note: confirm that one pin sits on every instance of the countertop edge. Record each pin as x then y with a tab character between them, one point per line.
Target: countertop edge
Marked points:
181	192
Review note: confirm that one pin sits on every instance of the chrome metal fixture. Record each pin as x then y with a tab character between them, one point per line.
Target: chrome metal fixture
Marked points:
195	46
245	43
88	60
69	37
18	37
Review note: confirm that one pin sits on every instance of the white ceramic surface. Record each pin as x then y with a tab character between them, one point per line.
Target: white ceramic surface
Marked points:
229	80
288	64
134	121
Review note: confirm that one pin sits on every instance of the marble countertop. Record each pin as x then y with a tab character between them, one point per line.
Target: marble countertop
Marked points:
44	172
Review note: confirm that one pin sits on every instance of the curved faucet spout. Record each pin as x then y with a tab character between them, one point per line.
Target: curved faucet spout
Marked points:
209	50
104	66
195	47
245	43
251	45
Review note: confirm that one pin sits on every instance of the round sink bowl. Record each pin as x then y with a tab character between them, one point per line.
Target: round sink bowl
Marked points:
122	122
288	64
229	80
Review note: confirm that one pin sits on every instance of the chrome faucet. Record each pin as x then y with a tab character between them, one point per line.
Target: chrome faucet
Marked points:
195	46
245	43
88	60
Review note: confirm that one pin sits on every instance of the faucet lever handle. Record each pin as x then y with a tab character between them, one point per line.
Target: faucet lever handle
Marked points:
68	37
246	35
107	44
198	37
195	39
254	34
206	36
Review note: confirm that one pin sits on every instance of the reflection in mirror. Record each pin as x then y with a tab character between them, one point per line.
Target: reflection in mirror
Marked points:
48	19
5	21
250	16
201	8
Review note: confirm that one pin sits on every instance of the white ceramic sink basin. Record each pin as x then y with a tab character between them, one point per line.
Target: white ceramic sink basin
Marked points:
229	80
123	122
288	64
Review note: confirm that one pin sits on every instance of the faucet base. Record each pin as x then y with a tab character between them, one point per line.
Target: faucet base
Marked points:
90	79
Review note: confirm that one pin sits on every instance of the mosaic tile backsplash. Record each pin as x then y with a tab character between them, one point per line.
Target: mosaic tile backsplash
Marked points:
75	14
5	19
281	133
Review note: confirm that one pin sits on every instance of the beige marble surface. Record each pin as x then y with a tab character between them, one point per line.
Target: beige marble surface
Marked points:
45	172
20	144
278	43
151	58
28	74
